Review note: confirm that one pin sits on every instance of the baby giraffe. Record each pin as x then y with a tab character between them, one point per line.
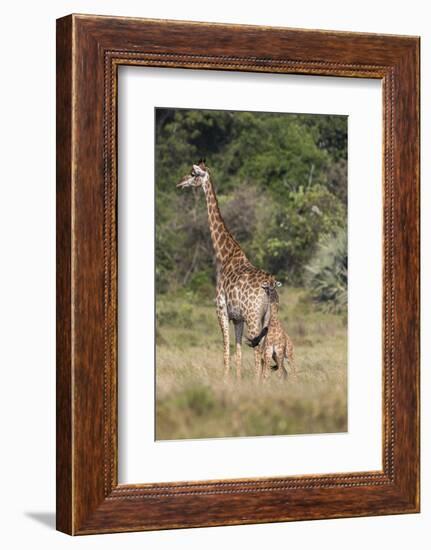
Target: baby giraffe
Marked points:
277	345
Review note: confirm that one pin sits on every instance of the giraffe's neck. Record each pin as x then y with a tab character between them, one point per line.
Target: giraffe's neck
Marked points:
273	312
223	243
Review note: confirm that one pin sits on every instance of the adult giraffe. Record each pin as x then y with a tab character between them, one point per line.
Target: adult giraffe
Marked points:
241	294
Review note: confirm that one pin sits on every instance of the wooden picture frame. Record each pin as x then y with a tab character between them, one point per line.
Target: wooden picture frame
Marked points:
89	51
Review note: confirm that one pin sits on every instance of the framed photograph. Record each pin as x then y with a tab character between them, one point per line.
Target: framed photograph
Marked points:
237	274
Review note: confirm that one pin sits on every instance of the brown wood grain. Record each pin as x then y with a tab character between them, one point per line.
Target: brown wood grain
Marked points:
64	496
89	51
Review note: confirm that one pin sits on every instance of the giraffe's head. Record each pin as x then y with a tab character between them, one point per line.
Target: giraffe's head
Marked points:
198	176
270	286
270	283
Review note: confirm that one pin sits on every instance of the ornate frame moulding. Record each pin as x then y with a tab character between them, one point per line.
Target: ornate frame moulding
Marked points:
89	51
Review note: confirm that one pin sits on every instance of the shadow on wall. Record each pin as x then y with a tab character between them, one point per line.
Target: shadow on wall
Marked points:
45	518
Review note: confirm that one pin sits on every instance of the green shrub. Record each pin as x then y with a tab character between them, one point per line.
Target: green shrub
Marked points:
173	313
201	284
326	274
290	231
198	400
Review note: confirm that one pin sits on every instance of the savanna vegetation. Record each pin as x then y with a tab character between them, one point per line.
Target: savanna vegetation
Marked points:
281	182
194	401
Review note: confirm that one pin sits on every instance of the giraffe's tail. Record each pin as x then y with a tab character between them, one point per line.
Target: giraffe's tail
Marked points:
253	342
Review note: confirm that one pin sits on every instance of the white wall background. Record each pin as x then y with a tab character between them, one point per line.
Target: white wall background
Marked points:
27	307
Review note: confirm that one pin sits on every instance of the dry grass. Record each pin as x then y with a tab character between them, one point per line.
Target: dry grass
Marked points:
193	400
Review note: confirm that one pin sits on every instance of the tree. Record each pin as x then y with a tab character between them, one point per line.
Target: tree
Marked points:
281	181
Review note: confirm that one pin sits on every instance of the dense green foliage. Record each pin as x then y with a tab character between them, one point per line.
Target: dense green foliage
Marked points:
281	181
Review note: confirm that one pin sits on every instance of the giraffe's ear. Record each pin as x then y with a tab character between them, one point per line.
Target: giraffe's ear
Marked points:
277	283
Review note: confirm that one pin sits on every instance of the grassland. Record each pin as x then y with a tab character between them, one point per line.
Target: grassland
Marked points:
193	400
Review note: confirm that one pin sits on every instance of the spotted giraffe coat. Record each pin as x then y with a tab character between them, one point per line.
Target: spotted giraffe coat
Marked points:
241	295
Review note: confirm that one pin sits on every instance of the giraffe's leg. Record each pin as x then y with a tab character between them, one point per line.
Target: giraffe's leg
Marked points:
258	363
224	325
293	365
290	356
266	351
267	356
279	360
254	329
239	327
254	322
